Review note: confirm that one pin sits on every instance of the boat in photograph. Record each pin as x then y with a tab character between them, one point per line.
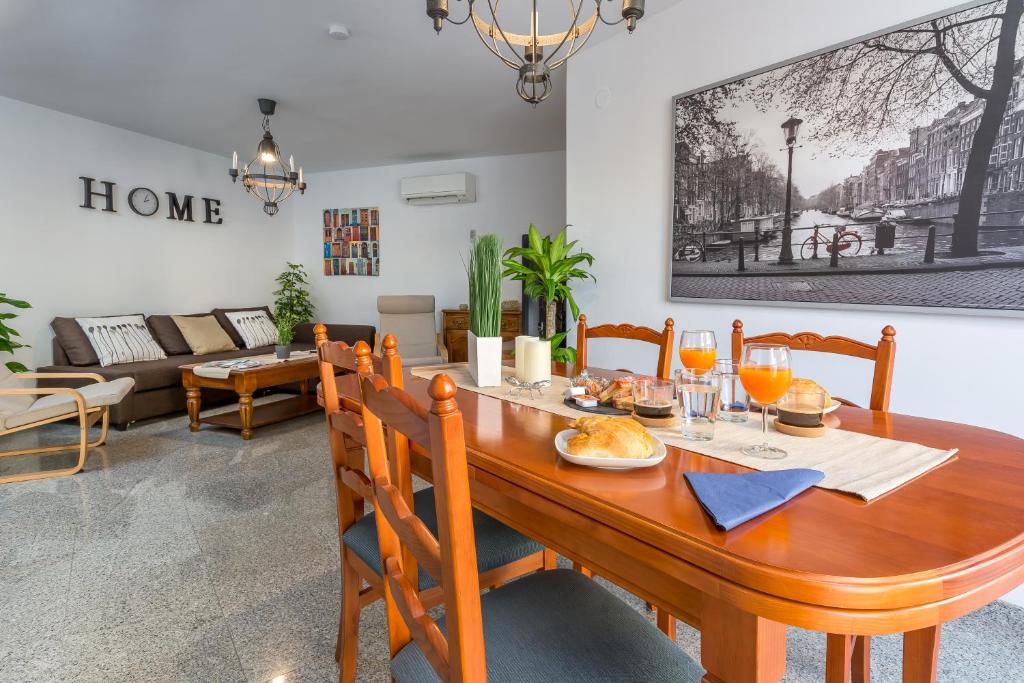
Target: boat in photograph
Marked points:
867	215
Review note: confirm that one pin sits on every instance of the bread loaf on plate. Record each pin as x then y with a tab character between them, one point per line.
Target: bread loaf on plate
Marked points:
604	436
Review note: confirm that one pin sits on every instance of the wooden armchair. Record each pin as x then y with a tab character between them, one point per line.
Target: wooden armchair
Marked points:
20	411
883	355
503	553
663	340
539	628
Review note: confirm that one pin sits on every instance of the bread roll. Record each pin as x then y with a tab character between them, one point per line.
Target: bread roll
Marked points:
603	436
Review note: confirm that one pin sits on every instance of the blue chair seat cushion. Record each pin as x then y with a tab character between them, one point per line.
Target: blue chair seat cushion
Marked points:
559	625
496	544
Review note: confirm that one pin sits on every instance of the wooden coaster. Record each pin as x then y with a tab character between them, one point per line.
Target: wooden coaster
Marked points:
800	431
670	421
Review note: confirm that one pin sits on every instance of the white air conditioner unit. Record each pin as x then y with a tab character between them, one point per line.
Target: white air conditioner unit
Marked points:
453	188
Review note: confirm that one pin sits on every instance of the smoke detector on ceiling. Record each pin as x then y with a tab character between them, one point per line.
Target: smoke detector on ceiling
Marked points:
339	32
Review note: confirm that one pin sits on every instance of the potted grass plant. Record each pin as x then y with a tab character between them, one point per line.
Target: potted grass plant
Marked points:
285	325
484	271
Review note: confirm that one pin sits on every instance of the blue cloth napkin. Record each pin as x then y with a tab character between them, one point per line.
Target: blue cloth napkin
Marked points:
731	499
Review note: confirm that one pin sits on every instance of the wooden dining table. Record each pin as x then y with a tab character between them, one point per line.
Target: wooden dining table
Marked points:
936	548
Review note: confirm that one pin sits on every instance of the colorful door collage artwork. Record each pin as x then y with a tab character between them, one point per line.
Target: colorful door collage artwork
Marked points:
352	241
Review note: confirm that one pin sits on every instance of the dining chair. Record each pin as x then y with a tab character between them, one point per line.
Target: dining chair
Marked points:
553	625
504	553
663	340
883	355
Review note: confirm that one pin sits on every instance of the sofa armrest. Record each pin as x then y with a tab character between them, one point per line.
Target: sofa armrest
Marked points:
65	376
349	334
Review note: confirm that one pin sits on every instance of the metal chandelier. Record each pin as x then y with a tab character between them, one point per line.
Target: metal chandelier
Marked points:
266	177
525	52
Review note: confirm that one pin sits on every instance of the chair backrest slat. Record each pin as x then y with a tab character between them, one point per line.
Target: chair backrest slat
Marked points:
420	625
460	655
411	530
883	355
663	340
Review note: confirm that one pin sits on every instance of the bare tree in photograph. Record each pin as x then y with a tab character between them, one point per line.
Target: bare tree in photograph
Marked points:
861	92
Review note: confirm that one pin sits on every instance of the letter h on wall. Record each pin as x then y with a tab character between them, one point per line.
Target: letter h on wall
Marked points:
107	194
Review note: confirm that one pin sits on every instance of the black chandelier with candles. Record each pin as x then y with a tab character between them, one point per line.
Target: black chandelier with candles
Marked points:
266	177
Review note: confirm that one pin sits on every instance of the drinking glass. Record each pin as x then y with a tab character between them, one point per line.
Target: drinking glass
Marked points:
697	349
766	372
802	405
698	392
734	401
652	397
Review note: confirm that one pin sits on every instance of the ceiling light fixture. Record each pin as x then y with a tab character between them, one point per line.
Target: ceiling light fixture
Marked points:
525	52
266	177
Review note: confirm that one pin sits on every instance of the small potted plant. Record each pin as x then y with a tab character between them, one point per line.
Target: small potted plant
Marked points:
285	324
292	306
484	272
8	343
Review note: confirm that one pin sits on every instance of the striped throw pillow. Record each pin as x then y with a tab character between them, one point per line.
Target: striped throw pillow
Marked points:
254	327
121	339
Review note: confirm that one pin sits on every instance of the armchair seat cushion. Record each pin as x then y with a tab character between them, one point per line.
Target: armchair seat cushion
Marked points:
96	395
561	626
496	543
419	362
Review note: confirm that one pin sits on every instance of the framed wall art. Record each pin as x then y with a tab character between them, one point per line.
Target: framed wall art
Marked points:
885	171
352	241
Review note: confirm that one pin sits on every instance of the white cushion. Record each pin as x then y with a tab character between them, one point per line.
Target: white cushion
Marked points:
419	362
121	339
11	405
53	405
254	327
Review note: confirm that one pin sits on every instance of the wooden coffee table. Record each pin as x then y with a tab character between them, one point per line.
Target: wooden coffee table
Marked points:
245	383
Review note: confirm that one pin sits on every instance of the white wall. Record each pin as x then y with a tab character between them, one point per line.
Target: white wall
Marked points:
619	166
422	247
71	261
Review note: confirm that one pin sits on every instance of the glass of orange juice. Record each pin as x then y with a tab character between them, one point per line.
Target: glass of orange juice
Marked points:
697	349
766	372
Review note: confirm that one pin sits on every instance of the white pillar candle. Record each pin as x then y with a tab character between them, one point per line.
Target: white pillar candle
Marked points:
291	163
234	160
538	361
521	342
300	176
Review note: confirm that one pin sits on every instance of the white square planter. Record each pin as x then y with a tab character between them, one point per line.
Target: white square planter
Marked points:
485	360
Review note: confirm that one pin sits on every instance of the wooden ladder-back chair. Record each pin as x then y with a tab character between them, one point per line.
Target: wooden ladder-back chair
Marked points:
506	553
541	627
663	340
883	355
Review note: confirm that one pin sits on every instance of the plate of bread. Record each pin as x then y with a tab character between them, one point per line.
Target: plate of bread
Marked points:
609	442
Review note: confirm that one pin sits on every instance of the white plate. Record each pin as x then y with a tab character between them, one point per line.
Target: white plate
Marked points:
562	438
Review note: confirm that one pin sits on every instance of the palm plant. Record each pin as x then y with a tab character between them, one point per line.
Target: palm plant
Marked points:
8	343
547	269
484	272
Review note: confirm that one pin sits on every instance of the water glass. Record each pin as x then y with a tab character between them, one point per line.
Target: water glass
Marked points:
734	401
698	392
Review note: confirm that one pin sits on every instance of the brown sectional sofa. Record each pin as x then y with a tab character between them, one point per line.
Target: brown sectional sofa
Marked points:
158	389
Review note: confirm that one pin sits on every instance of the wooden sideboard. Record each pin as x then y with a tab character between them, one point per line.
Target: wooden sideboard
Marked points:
455	328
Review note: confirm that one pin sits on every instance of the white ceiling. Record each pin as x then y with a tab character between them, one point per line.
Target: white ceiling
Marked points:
189	71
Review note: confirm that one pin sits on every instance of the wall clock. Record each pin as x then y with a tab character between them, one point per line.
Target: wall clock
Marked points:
143	201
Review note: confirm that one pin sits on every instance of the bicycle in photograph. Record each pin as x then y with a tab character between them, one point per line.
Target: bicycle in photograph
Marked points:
849	243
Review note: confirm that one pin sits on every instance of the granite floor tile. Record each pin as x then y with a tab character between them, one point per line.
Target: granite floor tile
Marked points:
33	603
289	629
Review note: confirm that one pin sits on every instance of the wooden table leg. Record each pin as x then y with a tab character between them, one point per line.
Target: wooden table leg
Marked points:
839	658
862	660
193	402
245	413
304	387
921	655
739	647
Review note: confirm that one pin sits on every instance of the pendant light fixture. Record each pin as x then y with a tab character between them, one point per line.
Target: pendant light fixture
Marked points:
266	177
526	52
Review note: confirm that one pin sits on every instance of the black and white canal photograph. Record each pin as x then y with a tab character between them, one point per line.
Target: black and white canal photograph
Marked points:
889	171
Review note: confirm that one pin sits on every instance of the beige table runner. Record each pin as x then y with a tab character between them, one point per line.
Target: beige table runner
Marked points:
216	372
866	466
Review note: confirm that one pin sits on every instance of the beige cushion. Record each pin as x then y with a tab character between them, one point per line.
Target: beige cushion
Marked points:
410	318
12	405
203	334
54	405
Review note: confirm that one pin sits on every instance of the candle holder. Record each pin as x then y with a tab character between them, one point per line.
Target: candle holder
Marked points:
517	387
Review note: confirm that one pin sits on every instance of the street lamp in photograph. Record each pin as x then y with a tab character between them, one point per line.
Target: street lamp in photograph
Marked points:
790	127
